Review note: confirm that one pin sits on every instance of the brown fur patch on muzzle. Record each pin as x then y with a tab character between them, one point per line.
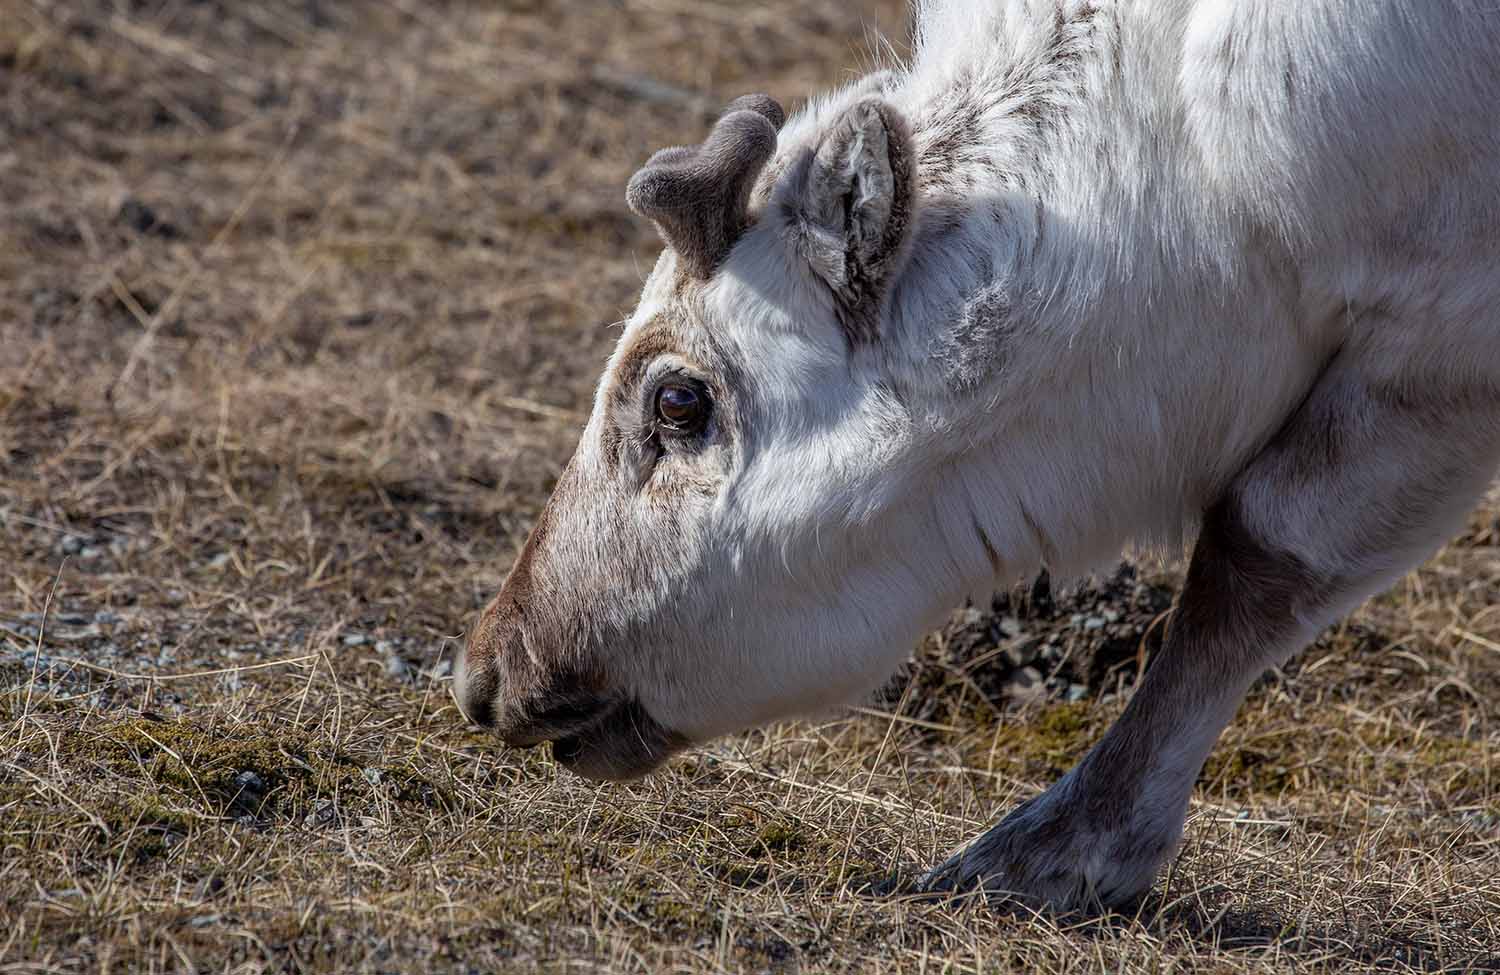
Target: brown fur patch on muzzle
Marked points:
596	734
502	687
496	641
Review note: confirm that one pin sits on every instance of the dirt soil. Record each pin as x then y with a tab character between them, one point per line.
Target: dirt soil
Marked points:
301	305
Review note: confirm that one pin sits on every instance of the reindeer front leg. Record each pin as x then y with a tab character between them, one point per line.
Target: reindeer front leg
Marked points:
1361	484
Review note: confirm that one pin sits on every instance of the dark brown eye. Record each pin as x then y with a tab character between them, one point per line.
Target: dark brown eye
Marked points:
682	407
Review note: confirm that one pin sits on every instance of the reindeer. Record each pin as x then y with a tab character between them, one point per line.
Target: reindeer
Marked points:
1081	275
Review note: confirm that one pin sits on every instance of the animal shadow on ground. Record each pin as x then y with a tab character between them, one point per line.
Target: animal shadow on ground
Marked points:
1209	921
1267	930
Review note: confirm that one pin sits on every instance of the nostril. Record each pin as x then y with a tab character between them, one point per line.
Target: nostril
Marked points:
477	682
481	710
567	749
500	685
474	688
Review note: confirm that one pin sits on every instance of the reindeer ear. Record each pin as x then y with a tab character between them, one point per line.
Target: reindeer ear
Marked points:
849	205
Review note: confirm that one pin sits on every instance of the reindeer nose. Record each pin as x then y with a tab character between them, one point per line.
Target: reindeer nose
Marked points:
475	693
476	680
498	685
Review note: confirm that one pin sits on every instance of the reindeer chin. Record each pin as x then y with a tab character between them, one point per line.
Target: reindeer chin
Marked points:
626	743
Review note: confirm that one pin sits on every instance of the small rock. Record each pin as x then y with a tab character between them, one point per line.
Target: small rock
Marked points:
323	814
1486	823
1010	626
143	220
249	785
50	306
1026	685
385	647
219	561
355	639
1022	652
397	668
1093	623
72	544
1076	692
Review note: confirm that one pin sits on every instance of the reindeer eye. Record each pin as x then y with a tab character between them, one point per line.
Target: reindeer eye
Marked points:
682	407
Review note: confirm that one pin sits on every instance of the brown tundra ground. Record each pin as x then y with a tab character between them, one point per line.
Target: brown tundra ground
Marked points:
301	304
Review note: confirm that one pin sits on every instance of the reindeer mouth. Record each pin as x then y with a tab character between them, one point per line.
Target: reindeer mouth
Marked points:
598	736
625	743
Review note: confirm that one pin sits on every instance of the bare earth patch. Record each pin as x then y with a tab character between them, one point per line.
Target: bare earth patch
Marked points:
301	304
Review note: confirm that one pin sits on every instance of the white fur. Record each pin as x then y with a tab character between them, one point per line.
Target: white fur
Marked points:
1165	226
1183	250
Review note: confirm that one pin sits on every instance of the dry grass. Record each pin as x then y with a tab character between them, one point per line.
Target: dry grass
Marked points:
300	303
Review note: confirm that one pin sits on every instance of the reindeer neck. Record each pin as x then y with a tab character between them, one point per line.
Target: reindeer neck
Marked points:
1055	189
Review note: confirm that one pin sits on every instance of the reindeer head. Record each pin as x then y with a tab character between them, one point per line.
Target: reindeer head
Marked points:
725	549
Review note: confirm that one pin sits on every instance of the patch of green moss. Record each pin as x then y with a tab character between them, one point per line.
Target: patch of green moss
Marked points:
1049	742
1364	754
1244	770
678	916
737	851
407	785
778	836
143	829
133	830
653	854
244	769
1459	764
640	893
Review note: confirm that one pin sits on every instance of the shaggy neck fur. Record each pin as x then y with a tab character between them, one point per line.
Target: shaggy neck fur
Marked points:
1047	281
